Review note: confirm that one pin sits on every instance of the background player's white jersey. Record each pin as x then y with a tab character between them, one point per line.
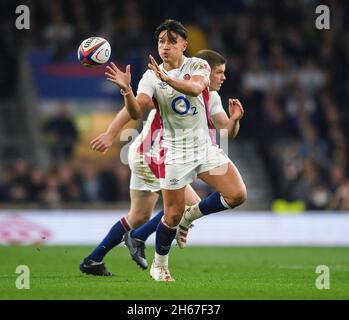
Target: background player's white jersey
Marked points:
147	142
215	103
186	120
143	155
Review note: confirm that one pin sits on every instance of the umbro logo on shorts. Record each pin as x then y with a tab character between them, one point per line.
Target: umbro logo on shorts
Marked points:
174	182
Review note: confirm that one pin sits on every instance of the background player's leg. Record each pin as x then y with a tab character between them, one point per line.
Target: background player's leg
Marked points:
146	228
144	231
144	202
191	197
142	206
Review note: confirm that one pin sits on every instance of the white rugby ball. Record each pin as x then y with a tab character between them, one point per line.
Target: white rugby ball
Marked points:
94	51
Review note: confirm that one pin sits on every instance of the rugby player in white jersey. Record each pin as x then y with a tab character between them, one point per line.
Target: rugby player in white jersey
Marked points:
179	89
136	238
144	182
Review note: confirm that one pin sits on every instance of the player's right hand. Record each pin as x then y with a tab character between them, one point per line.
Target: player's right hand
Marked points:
153	65
115	75
102	143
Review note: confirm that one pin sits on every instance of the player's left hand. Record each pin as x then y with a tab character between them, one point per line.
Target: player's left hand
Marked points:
155	67
236	110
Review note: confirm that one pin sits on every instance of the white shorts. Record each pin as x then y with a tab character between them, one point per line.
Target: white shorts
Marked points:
137	183
178	175
144	176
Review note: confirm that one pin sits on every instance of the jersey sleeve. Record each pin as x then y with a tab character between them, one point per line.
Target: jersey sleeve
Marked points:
200	67
215	103
146	84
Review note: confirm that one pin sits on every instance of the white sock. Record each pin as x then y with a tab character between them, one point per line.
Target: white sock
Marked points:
165	224
225	204
160	261
193	214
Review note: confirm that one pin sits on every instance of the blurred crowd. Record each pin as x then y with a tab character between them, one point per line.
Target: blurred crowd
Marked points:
68	184
291	77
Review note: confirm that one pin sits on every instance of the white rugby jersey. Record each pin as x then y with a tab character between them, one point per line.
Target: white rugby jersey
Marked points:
186	120
147	142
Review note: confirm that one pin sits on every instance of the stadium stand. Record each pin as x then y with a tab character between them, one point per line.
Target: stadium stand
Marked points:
291	78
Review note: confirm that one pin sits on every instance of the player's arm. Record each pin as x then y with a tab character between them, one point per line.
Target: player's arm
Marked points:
232	124
105	140
136	106
192	87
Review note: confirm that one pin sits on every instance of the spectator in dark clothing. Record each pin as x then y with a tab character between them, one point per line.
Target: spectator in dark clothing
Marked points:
109	183
20	184
37	185
88	181
5	185
21	175
62	134
68	187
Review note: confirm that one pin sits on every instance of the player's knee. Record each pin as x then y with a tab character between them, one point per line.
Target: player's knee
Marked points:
241	197
139	218
237	197
173	218
172	221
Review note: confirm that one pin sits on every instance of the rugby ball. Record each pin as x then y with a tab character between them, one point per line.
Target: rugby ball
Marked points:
94	51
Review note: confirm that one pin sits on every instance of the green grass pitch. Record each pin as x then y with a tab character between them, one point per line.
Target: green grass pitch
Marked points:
201	273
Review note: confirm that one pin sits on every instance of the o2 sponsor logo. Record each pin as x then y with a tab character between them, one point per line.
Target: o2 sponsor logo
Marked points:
181	106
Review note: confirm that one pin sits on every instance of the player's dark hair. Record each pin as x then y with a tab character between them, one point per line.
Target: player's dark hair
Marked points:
213	58
171	26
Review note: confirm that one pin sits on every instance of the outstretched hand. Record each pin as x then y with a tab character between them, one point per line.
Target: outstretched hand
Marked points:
115	75
155	67
102	143
236	110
